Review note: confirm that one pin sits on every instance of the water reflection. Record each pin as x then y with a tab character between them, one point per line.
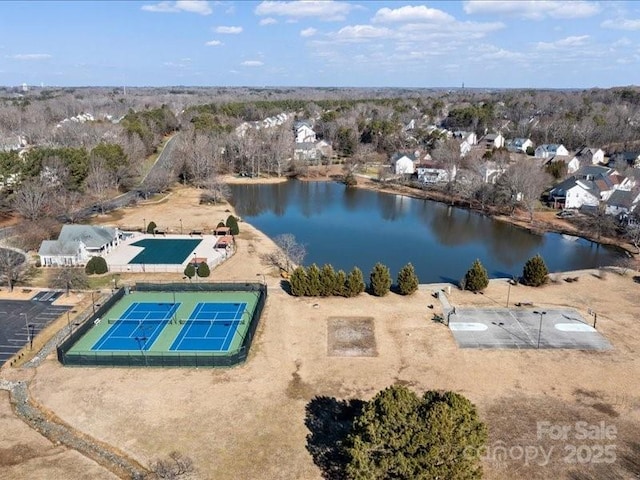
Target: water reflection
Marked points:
347	227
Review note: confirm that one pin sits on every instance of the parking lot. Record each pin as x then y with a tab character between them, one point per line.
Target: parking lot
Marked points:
22	320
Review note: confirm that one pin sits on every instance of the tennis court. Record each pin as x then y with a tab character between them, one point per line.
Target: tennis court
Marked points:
210	327
137	328
164	250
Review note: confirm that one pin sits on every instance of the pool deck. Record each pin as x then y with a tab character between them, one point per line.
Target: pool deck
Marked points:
118	259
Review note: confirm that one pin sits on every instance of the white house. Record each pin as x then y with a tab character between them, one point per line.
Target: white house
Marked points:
469	137
549	150
622	202
432	172
491	171
519	144
304	133
589	186
403	163
77	243
493	140
585	156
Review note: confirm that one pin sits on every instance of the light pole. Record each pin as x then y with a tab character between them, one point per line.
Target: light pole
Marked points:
540	326
93	303
144	225
180	226
508	292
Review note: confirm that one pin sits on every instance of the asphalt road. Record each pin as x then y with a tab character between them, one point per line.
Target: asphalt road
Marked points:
21	320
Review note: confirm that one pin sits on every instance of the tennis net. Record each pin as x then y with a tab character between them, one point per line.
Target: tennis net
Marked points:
182	321
111	321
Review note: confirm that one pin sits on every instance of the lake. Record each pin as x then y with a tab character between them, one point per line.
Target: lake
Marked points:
349	227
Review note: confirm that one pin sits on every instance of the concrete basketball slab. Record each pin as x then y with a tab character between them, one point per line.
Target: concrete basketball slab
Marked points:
524	328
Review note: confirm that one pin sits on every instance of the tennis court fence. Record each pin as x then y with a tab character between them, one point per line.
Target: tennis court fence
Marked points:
160	359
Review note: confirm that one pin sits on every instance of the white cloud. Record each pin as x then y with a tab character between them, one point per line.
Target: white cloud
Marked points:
411	14
308	32
228	30
534	9
622	24
355	33
268	21
569	42
252	63
201	7
325	10
213	43
30	56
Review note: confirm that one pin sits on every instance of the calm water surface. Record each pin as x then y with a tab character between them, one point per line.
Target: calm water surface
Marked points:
353	227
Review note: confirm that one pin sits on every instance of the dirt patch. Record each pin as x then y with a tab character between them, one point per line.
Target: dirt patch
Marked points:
351	337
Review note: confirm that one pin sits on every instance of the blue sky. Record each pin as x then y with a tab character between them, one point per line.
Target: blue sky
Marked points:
560	44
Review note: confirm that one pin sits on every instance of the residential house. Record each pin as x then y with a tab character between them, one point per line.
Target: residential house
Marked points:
404	163
519	145
549	150
492	140
585	156
432	172
77	243
630	158
622	202
467	140
589	186
304	133
312	151
490	171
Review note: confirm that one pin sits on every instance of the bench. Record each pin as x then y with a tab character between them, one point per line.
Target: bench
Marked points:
524	304
195	232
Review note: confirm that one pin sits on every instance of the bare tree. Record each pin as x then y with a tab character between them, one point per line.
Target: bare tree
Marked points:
32	199
215	191
13	267
632	231
290	253
174	467
527	181
66	204
99	182
68	278
158	180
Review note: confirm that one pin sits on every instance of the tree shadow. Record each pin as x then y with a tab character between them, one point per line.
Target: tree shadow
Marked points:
330	420
286	286
636	278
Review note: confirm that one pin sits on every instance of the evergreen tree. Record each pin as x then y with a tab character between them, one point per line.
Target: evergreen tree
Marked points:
151	228
298	282
402	436
355	283
190	270
476	278
535	272
232	223
340	287
313	281
203	270
220	224
96	266
380	280
327	280
407	280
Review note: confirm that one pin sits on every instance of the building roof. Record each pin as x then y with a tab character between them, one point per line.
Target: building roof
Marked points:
550	147
398	155
92	236
54	247
622	198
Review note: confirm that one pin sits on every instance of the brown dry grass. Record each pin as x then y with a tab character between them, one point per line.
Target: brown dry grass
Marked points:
249	421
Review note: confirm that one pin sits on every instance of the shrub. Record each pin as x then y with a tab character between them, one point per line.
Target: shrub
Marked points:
232	223
96	266
340	285
407	280
190	270
313	281
298	282
354	285
151	228
203	270
327	280
380	279
220	224
476	278
535	272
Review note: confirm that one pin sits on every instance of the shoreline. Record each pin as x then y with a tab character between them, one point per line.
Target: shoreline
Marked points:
539	226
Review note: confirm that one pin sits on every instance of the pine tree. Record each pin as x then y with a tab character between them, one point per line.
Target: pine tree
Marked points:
190	270
327	280
355	283
298	282
340	287
203	270
232	223
407	280
476	278
313	281
380	280
535	272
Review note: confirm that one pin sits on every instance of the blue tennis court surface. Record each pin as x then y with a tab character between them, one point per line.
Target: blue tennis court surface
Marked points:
210	327
138	327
